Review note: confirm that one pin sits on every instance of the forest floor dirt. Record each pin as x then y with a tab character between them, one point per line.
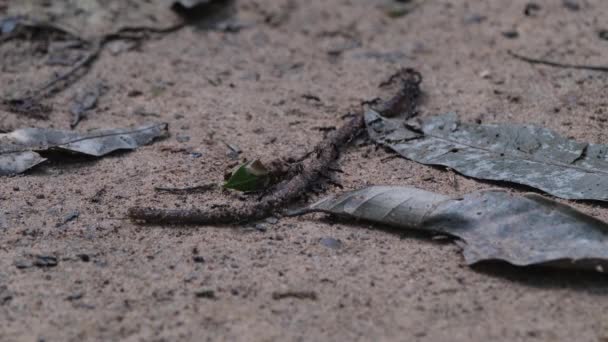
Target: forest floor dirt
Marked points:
272	89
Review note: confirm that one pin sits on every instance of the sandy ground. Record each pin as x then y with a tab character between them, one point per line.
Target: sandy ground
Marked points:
119	281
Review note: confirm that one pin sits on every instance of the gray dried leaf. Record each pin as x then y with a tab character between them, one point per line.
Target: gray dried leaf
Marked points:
491	225
19	150
523	154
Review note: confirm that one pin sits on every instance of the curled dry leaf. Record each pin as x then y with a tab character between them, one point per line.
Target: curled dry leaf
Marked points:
491	225
523	154
19	150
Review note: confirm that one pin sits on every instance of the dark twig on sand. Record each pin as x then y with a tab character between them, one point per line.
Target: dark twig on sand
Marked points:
557	64
301	179
186	190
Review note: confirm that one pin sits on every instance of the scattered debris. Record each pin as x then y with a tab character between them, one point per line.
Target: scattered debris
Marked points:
141	111
71	216
523	154
29	102
55	84
312	97
28	107
37	260
234	151
20	150
84	102
295	179
248	177
98	196
557	64
295	294
491	225
15	27
187	190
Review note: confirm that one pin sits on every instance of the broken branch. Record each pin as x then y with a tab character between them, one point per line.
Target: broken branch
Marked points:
296	183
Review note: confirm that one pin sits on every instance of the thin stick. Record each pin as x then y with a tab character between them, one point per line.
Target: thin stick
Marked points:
186	190
286	192
298	182
557	64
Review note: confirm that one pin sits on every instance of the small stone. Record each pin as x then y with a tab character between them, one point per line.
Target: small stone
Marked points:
45	261
475	19
512	34
134	93
198	259
208	294
84	257
75	296
272	220
330	242
182	138
571	5
260	227
531	9
23	264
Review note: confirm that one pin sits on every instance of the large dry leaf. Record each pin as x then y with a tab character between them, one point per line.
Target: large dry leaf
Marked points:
528	155
19	149
491	225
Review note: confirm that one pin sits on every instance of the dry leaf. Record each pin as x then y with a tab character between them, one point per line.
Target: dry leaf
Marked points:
528	155
491	225
19	150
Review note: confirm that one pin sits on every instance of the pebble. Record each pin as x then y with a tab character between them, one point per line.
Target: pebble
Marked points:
330	242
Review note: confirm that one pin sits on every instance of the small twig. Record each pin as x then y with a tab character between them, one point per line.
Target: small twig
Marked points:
557	64
187	190
301	178
286	191
295	294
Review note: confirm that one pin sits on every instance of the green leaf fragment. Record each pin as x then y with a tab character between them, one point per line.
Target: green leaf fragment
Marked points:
250	176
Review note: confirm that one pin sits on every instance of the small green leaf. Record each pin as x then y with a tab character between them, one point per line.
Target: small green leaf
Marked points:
250	176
